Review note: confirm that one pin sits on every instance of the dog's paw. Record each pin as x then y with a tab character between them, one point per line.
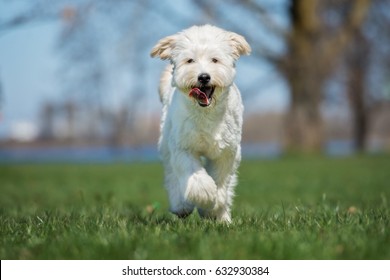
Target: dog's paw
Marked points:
201	191
183	213
181	208
222	216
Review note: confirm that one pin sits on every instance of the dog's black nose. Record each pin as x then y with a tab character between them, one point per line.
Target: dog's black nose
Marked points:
204	78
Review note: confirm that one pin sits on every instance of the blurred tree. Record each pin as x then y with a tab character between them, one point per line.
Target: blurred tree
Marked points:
315	40
1	99
83	69
367	63
314	49
39	10
70	110
47	115
357	60
1	91
91	44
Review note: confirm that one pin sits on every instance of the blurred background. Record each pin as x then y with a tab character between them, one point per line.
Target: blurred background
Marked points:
77	82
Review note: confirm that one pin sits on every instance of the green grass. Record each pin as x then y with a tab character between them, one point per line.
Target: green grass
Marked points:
293	208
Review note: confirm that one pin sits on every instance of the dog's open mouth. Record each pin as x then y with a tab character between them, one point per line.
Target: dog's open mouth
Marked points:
203	94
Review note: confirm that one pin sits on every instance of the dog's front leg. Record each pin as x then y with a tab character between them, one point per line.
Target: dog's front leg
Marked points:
196	185
223	170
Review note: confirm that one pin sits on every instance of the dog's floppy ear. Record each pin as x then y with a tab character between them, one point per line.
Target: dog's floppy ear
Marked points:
239	44
164	47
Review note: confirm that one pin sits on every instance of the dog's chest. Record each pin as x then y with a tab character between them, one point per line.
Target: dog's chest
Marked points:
207	137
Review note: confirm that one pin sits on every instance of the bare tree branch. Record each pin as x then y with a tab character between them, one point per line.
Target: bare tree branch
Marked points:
336	45
264	17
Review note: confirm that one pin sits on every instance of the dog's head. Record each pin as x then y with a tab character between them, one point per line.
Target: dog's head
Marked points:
203	59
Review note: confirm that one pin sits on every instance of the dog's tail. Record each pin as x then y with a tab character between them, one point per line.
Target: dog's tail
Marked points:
165	89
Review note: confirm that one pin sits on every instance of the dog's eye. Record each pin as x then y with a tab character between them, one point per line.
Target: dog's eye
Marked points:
190	60
214	60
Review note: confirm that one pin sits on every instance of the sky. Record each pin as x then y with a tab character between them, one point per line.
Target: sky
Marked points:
29	75
28	68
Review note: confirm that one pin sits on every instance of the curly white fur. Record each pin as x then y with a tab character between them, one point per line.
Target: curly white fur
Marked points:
200	146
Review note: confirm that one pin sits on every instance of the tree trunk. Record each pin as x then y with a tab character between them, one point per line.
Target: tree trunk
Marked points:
357	60
304	126
311	57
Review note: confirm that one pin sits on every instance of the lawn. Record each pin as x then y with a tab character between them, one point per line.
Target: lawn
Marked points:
290	208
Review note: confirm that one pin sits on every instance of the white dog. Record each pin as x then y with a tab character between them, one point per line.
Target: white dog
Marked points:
201	120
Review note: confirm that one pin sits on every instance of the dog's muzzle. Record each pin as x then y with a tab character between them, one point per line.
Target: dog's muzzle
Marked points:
203	93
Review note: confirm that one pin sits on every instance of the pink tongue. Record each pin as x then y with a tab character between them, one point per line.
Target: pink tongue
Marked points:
200	96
